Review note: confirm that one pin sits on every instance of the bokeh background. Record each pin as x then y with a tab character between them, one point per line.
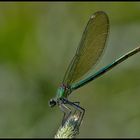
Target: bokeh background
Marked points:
37	42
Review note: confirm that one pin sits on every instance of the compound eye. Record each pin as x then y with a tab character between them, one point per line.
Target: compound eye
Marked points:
52	103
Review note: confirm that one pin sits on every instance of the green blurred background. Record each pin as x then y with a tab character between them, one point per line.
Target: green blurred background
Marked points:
37	42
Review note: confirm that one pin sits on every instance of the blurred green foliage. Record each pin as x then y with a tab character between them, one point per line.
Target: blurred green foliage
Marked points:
37	42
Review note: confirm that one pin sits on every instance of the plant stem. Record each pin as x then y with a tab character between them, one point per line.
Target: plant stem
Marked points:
70	128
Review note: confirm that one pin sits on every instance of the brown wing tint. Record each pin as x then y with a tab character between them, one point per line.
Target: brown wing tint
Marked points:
90	48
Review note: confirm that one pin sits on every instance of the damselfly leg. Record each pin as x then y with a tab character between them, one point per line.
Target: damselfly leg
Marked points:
74	107
67	112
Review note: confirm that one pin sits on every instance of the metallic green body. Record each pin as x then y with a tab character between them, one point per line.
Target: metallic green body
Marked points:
62	92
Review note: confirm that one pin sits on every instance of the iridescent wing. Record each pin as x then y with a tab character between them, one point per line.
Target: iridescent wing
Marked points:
90	48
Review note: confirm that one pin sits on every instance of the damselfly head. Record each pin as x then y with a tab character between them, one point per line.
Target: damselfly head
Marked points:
52	102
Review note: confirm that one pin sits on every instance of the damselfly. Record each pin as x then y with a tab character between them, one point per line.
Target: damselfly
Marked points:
88	53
